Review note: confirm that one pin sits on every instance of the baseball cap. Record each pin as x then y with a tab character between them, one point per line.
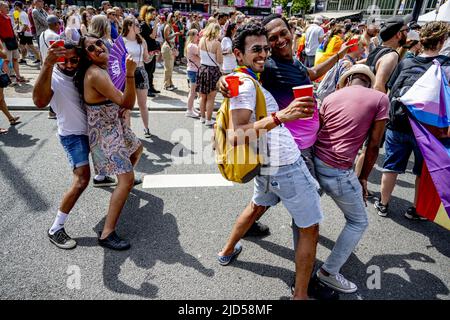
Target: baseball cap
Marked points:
393	25
51	19
110	11
318	19
360	69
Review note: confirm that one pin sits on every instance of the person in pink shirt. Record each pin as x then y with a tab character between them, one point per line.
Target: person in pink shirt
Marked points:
347	117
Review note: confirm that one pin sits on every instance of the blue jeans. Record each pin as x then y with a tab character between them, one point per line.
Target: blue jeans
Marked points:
346	191
77	149
399	147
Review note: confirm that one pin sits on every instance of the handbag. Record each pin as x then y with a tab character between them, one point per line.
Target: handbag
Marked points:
5	80
138	77
11	43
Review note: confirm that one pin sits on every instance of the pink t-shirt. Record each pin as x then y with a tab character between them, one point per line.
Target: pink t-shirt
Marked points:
346	117
304	131
193	56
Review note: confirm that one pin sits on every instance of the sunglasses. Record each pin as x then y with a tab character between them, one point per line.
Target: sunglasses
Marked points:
259	49
91	48
73	60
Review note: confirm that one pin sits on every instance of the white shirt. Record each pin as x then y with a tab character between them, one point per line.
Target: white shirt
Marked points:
135	50
44	42
229	60
24	21
66	102
282	147
312	36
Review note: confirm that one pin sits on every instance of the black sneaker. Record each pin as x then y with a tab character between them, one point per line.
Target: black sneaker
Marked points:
137	181
51	115
257	230
153	90
114	242
22	61
107	182
382	209
411	214
62	240
147	133
317	290
150	94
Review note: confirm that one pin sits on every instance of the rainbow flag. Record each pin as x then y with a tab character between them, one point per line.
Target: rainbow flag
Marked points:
428	101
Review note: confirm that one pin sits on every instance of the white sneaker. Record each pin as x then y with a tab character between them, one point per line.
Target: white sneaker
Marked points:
337	282
192	114
209	123
202	120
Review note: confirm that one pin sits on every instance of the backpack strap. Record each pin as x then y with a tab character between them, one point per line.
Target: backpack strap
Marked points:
260	109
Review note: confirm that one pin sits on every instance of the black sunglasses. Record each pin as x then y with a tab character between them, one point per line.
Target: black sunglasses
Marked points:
259	49
73	60
91	48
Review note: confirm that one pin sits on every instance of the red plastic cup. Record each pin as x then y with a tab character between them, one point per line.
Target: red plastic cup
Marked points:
59	43
303	91
233	85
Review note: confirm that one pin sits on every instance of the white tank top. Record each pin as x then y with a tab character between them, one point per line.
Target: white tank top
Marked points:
135	50
208	58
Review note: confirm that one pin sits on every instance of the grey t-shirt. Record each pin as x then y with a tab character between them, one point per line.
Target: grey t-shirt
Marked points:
313	34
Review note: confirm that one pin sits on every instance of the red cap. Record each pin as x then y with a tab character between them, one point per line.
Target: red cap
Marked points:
351	42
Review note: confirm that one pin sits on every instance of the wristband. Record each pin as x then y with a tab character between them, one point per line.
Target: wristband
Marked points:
275	119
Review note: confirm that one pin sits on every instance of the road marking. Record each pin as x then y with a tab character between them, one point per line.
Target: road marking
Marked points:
184	181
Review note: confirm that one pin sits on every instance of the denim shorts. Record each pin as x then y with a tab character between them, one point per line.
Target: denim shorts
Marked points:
398	147
192	77
294	186
77	149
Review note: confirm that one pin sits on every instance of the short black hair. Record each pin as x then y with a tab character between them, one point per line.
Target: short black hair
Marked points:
274	16
222	15
247	30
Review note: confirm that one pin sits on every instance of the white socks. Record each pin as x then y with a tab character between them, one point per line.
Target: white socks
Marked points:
58	224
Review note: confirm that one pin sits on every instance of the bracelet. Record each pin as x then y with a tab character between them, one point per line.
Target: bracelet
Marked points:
275	119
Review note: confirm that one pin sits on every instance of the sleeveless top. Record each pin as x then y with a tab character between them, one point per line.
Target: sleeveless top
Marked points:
135	50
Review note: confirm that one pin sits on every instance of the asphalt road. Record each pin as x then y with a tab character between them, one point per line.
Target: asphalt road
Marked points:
176	233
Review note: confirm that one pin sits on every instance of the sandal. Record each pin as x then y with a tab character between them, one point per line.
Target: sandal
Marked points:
22	80
3	131
15	120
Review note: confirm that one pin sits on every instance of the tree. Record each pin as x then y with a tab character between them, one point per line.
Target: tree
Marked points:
297	5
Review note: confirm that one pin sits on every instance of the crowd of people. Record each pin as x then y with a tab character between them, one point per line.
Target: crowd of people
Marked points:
323	144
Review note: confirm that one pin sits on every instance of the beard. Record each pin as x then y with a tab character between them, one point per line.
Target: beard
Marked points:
402	41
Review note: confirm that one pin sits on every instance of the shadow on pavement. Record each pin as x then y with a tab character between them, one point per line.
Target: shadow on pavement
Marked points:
16	139
398	279
162	149
154	237
16	180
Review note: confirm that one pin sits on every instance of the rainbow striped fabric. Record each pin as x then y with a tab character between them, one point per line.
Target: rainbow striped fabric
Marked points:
428	102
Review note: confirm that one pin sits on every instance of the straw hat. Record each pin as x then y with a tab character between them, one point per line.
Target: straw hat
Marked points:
357	68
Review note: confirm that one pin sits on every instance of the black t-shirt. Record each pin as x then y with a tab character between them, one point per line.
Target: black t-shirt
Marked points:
146	31
408	71
280	76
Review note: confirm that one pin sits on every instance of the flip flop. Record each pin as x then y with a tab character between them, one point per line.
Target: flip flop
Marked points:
14	121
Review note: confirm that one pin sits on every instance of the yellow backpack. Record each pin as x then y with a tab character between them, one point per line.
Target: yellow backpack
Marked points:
237	163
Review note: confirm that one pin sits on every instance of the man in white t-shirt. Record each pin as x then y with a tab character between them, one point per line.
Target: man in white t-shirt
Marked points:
314	36
49	35
25	35
55	85
285	178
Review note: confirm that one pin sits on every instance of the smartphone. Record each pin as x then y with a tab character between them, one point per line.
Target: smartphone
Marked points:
59	43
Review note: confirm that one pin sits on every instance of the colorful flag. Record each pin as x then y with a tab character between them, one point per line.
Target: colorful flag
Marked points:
428	101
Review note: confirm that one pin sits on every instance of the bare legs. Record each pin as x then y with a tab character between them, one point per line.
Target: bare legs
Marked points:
142	102
80	181
119	196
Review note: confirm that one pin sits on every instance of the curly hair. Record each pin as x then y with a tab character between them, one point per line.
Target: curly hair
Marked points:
432	33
